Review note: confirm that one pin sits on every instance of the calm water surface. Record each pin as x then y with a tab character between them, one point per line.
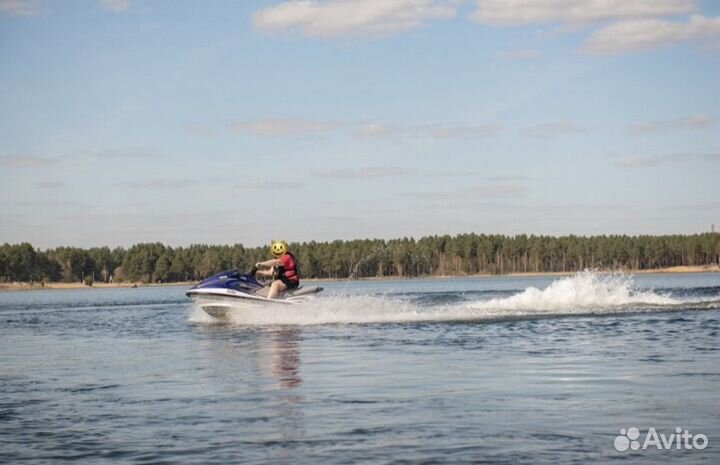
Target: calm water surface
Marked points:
484	370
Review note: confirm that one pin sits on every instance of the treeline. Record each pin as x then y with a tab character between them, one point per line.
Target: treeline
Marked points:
433	255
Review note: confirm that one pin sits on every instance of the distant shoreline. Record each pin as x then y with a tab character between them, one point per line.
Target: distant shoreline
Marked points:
97	285
100	285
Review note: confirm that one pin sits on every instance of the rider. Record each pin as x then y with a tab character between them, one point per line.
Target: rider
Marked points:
283	269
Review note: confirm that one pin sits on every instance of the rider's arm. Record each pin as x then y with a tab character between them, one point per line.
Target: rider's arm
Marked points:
268	263
264	273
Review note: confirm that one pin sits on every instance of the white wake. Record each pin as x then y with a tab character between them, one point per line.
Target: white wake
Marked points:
584	293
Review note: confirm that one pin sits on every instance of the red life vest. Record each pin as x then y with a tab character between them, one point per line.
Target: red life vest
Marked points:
288	267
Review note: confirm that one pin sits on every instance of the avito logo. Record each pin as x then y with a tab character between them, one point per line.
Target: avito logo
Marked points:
680	439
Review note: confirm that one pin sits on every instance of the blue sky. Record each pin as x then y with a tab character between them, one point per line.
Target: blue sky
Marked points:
222	122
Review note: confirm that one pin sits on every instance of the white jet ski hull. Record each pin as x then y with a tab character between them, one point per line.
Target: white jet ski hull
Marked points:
222	303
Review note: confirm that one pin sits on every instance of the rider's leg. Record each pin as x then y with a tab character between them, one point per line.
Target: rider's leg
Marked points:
276	288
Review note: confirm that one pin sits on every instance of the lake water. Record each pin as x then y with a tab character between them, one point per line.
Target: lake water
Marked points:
482	370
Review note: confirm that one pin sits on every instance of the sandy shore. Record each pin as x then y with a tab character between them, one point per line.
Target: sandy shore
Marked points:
39	286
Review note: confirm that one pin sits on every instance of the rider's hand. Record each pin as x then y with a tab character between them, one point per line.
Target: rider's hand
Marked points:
257	265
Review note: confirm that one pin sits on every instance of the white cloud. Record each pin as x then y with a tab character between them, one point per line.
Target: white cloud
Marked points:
648	34
355	18
284	127
520	54
695	206
80	158
271	185
118	6
19	7
26	161
50	203
559	128
634	24
160	184
688	122
433	131
498	191
377	129
520	12
657	160
449	132
50	184
367	172
129	153
288	127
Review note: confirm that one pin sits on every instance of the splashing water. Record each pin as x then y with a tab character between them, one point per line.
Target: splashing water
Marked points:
587	292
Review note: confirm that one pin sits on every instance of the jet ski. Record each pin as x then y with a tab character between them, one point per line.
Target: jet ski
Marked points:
233	290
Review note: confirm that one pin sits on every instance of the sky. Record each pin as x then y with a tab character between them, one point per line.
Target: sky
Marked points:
221	122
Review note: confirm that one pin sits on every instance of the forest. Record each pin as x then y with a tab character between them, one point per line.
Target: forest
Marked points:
462	254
